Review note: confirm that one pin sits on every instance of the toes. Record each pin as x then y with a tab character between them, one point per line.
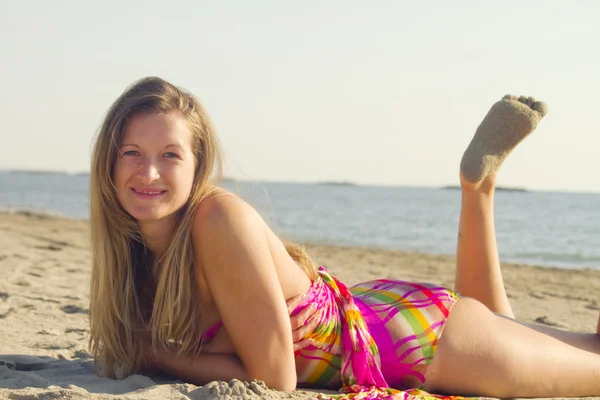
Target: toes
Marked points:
530	101
540	107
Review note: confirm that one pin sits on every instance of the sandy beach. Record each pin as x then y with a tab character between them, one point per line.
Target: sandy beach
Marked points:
44	286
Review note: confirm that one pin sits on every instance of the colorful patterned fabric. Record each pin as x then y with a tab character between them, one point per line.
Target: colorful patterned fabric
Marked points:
374	338
373	393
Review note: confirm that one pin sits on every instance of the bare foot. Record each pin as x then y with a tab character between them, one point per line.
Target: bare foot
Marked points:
507	123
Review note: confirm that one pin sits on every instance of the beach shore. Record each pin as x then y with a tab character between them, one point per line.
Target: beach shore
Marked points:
45	267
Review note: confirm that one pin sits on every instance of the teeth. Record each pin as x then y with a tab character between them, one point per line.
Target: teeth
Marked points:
145	192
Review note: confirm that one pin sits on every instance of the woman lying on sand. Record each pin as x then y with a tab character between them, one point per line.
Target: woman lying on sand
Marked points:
187	278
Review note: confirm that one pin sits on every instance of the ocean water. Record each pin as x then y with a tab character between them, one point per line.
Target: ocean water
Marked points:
540	228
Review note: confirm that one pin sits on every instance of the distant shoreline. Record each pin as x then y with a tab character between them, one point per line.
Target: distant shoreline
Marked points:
337	183
498	188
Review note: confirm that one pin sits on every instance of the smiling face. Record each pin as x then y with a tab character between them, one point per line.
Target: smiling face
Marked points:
154	171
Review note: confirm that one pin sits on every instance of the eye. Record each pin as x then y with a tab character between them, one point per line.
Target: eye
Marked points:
172	155
131	153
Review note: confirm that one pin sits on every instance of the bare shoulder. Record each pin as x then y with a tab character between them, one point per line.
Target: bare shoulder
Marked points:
225	224
230	235
224	210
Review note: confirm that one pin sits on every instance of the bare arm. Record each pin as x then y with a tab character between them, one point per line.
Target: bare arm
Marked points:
209	366
230	240
213	366
201	369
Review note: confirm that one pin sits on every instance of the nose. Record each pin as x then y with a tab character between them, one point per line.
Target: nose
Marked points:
148	171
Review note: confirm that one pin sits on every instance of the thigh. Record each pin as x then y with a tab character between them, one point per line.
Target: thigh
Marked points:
463	363
483	354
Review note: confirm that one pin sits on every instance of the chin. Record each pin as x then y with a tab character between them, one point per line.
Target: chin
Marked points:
146	215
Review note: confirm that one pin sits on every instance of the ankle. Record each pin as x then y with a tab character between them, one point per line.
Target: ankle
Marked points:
486	186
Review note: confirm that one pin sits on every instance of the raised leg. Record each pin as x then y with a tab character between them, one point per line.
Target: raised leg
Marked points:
483	354
478	273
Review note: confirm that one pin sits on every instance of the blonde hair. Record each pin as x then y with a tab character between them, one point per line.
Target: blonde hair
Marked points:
128	296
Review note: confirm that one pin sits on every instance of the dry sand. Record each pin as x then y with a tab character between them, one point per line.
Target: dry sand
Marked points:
44	274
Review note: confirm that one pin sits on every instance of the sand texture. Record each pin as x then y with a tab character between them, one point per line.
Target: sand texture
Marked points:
507	123
44	286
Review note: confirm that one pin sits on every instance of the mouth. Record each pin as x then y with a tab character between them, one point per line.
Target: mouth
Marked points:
148	193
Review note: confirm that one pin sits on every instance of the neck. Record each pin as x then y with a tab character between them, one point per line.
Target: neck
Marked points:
157	234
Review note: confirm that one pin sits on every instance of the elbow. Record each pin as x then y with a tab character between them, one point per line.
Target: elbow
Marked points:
283	384
280	377
290	383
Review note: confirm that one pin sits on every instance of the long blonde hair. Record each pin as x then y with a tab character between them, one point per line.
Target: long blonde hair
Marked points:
128	297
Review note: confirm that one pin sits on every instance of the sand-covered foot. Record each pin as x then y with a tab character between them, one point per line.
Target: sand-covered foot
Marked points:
507	123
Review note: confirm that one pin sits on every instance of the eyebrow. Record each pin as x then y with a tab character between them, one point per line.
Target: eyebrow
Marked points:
166	147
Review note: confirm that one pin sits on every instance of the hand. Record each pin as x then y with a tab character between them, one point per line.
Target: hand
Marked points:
150	364
302	323
148	354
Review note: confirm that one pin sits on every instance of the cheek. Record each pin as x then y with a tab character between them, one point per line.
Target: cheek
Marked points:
120	173
181	180
189	178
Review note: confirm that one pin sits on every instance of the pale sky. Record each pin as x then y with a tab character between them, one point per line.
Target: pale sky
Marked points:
374	92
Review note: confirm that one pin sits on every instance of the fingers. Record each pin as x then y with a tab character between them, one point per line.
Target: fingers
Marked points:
294	302
297	335
309	326
302	317
302	344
